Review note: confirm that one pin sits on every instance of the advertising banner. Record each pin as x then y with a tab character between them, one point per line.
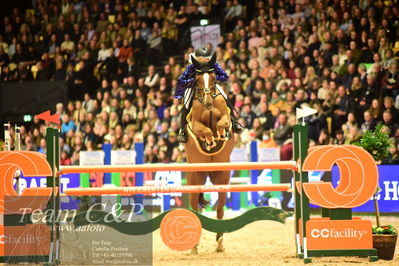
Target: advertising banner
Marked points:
123	157
91	158
202	35
339	234
269	154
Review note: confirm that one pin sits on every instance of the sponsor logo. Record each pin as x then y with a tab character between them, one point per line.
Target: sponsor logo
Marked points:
333	233
181	229
339	234
358	180
18	239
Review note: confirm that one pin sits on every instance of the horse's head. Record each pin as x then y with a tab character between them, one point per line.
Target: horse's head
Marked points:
206	80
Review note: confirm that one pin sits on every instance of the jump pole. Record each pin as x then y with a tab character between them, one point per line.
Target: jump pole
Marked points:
126	191
191	167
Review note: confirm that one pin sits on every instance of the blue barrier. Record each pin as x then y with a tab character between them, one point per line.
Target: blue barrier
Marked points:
388	198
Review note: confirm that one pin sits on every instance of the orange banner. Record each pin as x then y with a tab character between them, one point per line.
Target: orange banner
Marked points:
339	234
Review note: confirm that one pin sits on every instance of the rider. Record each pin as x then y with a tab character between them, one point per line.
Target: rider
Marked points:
183	90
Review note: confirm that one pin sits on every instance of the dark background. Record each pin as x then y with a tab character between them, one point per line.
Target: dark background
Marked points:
19	99
8	6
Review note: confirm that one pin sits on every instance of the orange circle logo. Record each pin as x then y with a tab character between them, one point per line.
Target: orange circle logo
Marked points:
358	180
181	229
31	164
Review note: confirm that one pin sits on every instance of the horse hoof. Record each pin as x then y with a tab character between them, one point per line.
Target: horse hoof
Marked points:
220	247
194	250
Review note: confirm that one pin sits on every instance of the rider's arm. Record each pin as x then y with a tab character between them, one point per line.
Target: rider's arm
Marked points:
221	75
184	81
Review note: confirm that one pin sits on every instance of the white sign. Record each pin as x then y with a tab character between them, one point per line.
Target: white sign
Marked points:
123	157
91	158
269	154
202	35
239	155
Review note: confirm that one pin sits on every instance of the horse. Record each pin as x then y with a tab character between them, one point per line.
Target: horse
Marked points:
209	137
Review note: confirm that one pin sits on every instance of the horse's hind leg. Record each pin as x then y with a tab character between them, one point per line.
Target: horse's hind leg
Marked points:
196	179
220	178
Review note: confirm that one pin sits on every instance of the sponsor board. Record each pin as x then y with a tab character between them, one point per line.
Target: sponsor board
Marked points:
339	234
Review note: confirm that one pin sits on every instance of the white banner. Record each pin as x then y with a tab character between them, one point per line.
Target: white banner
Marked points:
239	155
201	35
268	154
123	157
91	158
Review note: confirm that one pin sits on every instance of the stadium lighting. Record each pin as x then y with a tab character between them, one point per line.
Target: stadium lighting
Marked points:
27	118
204	22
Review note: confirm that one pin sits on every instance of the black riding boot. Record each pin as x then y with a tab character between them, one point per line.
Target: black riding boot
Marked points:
236	126
182	136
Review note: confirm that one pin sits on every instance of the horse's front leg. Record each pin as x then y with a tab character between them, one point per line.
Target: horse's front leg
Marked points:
220	178
201	130
222	127
196	178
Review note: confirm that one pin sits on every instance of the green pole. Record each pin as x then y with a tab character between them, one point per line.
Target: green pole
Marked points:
301	200
57	196
244	195
84	180
276	180
116	180
52	153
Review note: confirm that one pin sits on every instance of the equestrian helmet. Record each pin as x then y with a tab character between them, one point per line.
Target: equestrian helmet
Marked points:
203	52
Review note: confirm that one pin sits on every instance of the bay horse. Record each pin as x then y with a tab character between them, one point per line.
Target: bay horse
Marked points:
210	137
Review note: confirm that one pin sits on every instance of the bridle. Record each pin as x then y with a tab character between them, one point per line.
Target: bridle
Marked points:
200	96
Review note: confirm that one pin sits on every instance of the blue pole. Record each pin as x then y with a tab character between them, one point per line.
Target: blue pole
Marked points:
254	173
166	202
107	161
138	199
235	198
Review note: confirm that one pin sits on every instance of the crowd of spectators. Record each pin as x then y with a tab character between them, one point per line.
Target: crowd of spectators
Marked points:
338	57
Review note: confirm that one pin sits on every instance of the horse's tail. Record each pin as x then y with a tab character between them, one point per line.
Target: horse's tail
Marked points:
202	201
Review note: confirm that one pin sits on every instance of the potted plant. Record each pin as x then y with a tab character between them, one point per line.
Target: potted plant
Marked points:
384	240
377	143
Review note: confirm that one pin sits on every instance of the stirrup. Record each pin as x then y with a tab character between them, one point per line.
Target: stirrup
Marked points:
182	136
